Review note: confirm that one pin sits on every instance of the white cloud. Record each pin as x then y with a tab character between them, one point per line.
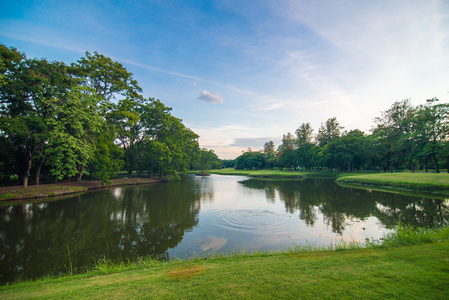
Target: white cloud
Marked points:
210	97
254	143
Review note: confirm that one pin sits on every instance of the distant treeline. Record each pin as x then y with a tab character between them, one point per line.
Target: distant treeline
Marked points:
62	121
404	137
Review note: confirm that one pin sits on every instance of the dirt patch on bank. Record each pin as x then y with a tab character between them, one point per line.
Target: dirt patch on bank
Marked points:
63	188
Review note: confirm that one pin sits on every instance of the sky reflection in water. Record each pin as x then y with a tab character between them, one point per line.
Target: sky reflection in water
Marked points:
197	215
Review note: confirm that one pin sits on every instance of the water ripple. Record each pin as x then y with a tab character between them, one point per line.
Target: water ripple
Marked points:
253	220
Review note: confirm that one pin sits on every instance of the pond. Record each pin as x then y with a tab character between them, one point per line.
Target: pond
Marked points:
194	216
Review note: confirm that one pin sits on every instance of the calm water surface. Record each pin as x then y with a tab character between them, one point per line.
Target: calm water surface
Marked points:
194	216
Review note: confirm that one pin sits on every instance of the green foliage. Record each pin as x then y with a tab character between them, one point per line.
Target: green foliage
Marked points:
206	160
74	125
406	235
27	93
250	161
108	158
405	137
86	118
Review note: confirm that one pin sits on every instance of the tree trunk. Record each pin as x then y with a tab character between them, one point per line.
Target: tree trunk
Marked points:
447	164
26	172
435	159
38	169
80	172
25	180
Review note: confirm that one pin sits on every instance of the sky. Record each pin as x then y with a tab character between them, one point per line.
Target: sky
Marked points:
242	73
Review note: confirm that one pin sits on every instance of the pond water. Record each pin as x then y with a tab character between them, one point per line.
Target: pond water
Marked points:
194	216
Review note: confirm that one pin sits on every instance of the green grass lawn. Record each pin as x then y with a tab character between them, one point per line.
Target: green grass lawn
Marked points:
420	182
436	183
276	174
419	271
41	191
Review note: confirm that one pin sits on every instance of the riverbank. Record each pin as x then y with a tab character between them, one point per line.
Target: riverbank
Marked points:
275	174
433	183
426	183
65	188
408	265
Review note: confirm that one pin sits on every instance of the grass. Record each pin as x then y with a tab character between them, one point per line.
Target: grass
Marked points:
434	183
274	174
50	190
420	182
41	191
409	264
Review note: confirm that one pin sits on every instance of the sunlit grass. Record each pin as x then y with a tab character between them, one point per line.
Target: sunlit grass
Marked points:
422	182
407	264
274	174
42	191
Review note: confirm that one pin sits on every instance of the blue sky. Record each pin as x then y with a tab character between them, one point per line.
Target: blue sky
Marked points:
241	73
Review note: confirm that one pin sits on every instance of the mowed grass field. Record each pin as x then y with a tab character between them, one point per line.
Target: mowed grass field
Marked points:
436	183
420	182
275	174
407	266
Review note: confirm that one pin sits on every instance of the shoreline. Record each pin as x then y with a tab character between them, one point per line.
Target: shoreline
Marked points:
429	184
351	270
432	184
17	193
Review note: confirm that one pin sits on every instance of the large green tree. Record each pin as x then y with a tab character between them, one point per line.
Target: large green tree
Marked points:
108	78
75	124
432	129
28	89
328	131
304	134
393	134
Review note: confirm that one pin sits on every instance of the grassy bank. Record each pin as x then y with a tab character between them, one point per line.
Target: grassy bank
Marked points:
409	265
275	174
58	189
437	183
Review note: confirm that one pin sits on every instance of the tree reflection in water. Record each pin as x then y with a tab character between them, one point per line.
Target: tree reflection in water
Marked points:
120	223
132	222
341	206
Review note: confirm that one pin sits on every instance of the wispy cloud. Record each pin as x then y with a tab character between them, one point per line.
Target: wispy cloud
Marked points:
42	42
210	97
256	143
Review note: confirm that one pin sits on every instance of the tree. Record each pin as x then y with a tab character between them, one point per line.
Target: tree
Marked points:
75	124
348	150
108	78
304	134
287	158
207	160
433	128
181	141
28	87
308	156
249	161
270	155
393	133
288	142
125	118
156	157
107	156
328	131
86	117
